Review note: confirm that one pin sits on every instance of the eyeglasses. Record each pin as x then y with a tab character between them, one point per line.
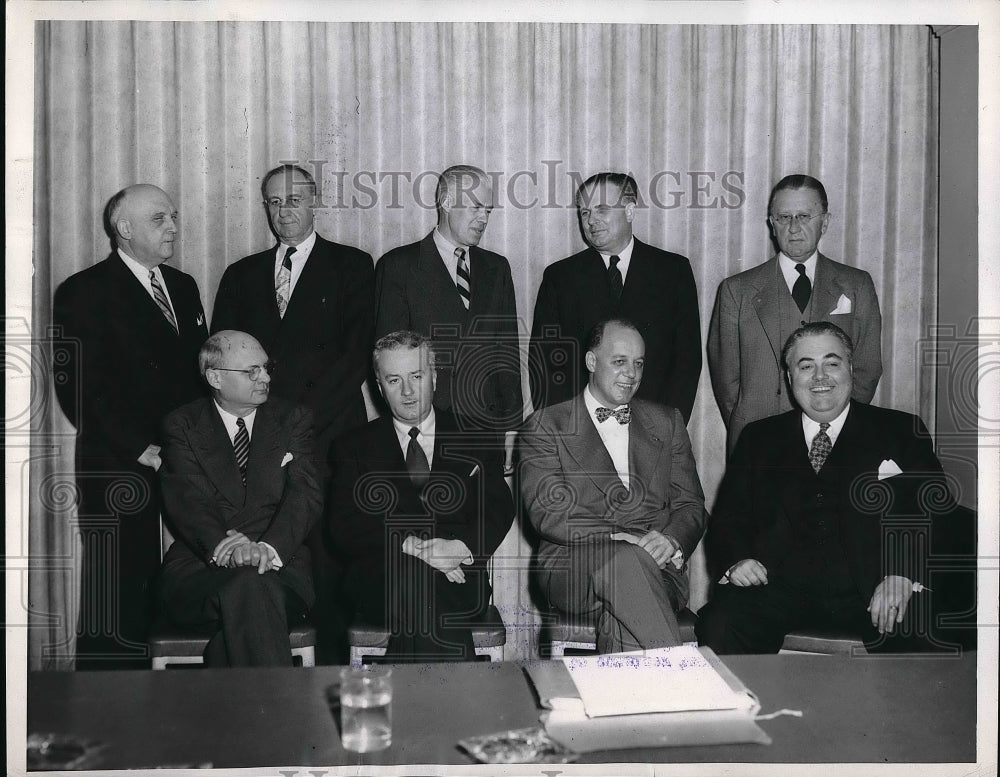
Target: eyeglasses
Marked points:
801	219
294	201
252	372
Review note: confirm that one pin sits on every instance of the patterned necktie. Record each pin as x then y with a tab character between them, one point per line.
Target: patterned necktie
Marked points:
622	415
462	278
416	461
241	445
802	288
283	283
615	284
820	448
161	300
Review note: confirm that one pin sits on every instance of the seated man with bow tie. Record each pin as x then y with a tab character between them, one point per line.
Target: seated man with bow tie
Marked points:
610	485
241	491
825	516
417	508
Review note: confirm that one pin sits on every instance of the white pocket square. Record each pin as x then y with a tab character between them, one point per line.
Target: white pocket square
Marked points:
843	306
288	457
888	468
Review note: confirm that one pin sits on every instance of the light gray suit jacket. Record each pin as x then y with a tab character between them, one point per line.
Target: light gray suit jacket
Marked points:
745	337
572	491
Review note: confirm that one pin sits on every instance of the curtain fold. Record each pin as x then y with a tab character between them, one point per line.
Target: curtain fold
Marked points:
707	118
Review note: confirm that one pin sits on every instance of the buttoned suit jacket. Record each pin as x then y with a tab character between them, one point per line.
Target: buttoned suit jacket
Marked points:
769	479
572	492
745	337
204	495
477	357
659	296
373	504
119	365
322	345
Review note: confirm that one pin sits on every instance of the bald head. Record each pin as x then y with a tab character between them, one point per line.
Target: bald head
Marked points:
142	221
236	368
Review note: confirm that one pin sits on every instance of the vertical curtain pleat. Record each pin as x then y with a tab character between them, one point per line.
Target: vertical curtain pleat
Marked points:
707	118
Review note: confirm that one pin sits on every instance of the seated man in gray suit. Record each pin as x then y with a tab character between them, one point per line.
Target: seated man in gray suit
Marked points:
757	309
610	485
241	492
826	515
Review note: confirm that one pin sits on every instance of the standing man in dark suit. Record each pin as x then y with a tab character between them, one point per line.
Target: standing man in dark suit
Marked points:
825	514
131	329
462	297
311	304
418	506
757	309
241	490
610	484
616	275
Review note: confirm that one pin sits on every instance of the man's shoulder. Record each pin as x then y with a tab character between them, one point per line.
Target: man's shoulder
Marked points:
189	414
491	258
561	417
175	275
886	421
95	274
403	254
841	270
664	258
340	251
655	412
753	274
568	267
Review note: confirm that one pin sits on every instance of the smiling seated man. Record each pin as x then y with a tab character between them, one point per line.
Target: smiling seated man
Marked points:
418	505
825	515
610	485
241	492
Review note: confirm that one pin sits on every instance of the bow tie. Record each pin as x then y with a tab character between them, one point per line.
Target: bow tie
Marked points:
622	415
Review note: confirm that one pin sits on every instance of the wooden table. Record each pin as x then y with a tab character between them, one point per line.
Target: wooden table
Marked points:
872	709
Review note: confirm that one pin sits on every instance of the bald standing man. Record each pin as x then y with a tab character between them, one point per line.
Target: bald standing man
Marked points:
131	327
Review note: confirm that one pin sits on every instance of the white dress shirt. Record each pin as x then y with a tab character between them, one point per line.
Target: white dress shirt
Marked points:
810	428
791	274
446	250
624	259
425	439
142	274
298	260
613	434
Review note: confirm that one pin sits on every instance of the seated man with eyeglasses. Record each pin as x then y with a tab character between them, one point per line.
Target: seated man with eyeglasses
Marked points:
756	310
241	492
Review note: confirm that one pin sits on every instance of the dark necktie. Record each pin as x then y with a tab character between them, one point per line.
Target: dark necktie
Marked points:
820	448
161	300
622	415
283	283
462	278
615	284
802	288
241	445
416	461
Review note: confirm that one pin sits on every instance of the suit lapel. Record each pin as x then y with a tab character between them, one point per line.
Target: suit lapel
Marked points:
132	290
188	319
826	290
211	444
767	303
645	447
588	451
263	459
431	275
313	279
483	278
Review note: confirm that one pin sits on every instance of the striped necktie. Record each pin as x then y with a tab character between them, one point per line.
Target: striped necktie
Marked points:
283	283
241	445
615	283
462	278
161	300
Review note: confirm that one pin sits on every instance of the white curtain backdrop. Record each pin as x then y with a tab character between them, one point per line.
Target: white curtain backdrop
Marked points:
707	118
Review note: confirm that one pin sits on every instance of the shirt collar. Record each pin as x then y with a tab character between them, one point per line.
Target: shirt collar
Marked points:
140	271
810	428
427	427
788	265
229	420
447	248
302	250
591	402
623	256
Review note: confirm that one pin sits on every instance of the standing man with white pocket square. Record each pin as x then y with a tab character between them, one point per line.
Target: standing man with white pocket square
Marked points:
757	309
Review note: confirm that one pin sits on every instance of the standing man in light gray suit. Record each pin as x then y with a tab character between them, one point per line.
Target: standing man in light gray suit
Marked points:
610	484
756	310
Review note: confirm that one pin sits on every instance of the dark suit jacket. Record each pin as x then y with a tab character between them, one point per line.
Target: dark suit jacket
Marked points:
323	344
572	491
120	367
204	496
659	295
478	361
371	492
769	478
745	337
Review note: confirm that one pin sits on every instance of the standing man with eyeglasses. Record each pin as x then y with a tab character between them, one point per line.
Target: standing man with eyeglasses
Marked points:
241	490
131	326
617	274
310	302
756	310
